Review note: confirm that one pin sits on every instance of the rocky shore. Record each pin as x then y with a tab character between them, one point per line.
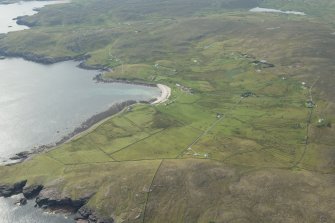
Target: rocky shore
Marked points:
42	59
100	79
50	198
21	20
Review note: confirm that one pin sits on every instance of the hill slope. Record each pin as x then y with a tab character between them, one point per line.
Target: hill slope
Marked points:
239	139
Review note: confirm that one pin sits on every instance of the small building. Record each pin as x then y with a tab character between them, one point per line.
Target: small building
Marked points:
310	104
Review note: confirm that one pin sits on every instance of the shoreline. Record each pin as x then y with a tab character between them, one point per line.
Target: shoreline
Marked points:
165	94
46	200
84	126
93	121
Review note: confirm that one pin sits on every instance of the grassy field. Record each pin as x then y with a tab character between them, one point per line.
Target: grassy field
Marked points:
207	154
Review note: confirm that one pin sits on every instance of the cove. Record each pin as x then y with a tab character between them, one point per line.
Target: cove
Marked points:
40	104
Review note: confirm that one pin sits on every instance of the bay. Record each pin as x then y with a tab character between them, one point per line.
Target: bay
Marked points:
39	104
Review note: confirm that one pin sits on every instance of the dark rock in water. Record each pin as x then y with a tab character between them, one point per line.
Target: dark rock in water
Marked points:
9	190
23	201
32	191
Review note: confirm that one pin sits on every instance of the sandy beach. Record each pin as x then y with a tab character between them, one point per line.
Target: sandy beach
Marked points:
166	93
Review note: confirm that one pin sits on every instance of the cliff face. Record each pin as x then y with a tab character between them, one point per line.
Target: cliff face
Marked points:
51	198
9	190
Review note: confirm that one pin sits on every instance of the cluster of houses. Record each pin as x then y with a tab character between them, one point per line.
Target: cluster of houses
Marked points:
185	89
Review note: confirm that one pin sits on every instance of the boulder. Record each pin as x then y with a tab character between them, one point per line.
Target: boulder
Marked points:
32	191
85	213
23	201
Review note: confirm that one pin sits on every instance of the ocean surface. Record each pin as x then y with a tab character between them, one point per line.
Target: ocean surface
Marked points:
39	104
12	213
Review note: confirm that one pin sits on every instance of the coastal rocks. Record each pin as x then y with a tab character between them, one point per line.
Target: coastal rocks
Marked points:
32	191
21	156
9	190
85	214
100	79
51	198
22	201
39	58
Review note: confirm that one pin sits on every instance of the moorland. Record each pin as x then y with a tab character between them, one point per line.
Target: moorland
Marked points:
246	136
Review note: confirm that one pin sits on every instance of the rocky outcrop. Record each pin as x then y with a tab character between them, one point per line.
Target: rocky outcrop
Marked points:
21	156
51	198
10	190
23	201
262	64
86	214
31	192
